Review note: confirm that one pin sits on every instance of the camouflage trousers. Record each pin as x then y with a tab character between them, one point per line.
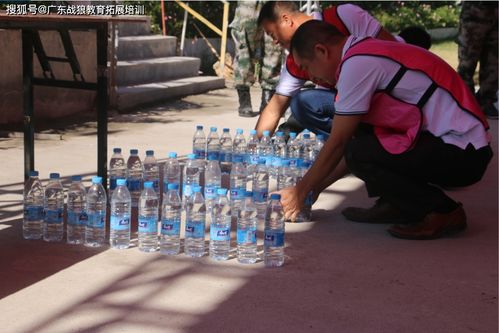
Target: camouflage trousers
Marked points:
477	42
257	57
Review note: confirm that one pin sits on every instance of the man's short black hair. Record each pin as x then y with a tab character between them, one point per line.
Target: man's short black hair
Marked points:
271	9
311	33
416	36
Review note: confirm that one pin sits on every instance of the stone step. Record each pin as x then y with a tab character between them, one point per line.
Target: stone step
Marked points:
145	94
143	47
133	72
135	28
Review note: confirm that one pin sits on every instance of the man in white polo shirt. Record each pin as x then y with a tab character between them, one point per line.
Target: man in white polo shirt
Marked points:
405	123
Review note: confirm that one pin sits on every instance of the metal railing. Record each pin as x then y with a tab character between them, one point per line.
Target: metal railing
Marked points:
222	33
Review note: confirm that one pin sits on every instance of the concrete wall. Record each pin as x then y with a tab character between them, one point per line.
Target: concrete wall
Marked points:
49	102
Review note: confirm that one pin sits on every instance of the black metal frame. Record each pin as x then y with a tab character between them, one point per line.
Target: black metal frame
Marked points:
100	87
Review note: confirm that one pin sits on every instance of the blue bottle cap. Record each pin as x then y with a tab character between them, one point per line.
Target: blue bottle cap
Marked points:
239	131
306	136
148	185
199	127
33	173
117	150
121	182
172	155
237	159
191	156
134	151
149	152
226	130
292	135
275	196
279	134
320	136
213	129
172	186
54	175
76	178
212	157
196	188
253	132
266	133
285	163
222	191
248	194
96	180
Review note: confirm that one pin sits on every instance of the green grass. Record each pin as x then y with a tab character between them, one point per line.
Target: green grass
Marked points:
446	50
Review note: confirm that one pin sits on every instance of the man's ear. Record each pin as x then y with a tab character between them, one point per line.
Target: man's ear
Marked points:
321	51
286	19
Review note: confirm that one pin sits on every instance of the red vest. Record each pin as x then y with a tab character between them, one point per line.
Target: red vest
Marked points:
330	15
397	123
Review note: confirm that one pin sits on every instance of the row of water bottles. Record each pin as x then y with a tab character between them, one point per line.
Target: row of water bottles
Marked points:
44	211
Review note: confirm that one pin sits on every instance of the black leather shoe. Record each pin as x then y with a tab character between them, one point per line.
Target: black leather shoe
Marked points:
433	226
245	108
381	212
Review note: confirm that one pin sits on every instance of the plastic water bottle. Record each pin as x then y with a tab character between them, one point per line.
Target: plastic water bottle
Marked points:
213	142
319	143
287	175
238	178
252	153
274	233
76	212
192	176
148	218
171	212
220	227
246	231
151	170
239	146
121	208
307	148
261	187
117	169
195	224
305	214
34	196
171	171
225	151
294	149
199	143
53	227
95	231
280	152
265	149
212	181
135	176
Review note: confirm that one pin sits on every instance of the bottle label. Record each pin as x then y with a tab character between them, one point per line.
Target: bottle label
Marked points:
148	224
237	193
77	219
120	223
225	157
253	159
187	190
275	159
170	227
155	185
112	182
165	186
210	191
293	162
260	196
219	233
246	236
97	220
273	238
200	154
134	185
33	213
53	216
242	156
194	229
268	160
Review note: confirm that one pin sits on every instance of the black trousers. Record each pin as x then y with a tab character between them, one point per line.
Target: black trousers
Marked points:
413	181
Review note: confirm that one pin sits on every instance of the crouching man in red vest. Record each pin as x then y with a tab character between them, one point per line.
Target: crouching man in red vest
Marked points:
405	123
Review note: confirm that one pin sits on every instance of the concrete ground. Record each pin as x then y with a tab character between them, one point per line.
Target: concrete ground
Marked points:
338	276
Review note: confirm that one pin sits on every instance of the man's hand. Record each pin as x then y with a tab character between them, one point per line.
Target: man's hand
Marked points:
292	201
270	116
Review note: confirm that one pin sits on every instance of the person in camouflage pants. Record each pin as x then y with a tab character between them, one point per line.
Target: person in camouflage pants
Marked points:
253	47
477	41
